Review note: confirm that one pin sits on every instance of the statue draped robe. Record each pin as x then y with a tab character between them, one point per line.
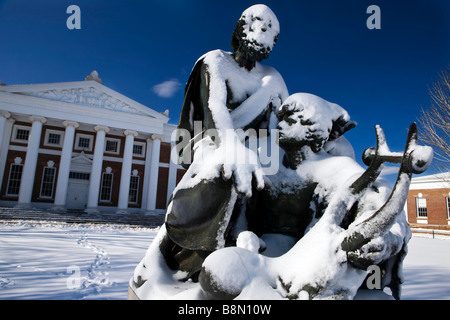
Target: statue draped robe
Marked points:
199	219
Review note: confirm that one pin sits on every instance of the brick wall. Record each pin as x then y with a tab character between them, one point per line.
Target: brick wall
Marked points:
436	205
115	166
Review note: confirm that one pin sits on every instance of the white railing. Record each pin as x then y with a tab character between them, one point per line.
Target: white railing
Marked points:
431	232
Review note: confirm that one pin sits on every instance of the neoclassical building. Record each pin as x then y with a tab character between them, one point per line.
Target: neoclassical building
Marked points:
83	146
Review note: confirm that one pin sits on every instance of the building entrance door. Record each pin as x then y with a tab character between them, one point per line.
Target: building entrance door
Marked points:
78	186
77	191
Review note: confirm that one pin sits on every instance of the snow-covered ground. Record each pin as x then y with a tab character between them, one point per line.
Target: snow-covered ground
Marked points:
69	261
427	269
76	261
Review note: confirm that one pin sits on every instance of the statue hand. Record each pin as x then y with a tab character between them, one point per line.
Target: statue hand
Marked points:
369	254
244	170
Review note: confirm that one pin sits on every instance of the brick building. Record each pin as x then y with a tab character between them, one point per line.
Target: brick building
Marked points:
81	145
428	200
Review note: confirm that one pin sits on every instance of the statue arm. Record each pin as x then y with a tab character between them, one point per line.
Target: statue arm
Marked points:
268	98
211	102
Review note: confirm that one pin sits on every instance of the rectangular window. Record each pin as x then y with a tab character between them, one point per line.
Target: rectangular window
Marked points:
106	187
15	176
112	146
138	149
84	142
53	138
48	182
20	134
421	205
79	175
447	200
134	189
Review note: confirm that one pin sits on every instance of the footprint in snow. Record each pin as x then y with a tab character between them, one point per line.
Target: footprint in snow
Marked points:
97	277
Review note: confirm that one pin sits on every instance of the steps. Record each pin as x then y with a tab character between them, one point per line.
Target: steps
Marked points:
74	216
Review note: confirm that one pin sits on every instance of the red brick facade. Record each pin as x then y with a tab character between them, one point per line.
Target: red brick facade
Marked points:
116	167
436	204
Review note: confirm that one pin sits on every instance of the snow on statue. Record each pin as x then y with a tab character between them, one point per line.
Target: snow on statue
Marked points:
311	229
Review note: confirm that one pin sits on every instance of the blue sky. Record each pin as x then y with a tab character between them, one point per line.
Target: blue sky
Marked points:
378	76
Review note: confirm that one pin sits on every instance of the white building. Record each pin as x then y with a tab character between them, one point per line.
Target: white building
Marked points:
80	145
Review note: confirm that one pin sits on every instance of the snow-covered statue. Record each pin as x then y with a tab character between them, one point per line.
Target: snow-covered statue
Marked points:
324	221
225	92
312	229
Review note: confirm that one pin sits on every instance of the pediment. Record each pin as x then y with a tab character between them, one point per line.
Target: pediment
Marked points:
86	93
81	160
87	97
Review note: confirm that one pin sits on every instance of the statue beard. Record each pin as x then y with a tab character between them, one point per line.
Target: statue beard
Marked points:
253	51
249	50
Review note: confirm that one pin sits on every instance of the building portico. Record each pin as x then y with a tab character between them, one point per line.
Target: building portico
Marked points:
80	145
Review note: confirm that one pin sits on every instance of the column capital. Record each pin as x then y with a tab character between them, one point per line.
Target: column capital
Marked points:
69	123
101	128
157	137
5	114
38	118
130	132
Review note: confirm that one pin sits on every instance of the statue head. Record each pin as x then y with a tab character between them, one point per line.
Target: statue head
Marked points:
255	33
308	120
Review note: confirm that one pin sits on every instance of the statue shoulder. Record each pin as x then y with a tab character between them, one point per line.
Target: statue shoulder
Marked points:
270	71
273	77
216	57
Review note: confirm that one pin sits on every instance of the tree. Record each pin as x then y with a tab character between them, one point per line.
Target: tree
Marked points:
434	121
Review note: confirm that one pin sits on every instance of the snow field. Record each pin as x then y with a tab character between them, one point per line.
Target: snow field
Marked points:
66	261
427	269
75	261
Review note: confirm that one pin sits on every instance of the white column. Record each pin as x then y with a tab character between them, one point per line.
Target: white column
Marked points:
6	123
97	164
64	165
154	171
148	155
29	168
172	171
124	190
4	116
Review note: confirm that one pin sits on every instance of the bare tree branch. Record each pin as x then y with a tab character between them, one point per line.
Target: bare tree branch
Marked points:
434	121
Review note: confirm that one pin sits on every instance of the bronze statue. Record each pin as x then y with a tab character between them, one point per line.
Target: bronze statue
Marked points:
200	217
294	205
311	229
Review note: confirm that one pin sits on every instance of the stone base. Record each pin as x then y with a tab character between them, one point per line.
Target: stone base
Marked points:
131	294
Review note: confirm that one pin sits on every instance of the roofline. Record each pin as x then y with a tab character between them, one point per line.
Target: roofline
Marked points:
84	84
433	181
22	104
432	177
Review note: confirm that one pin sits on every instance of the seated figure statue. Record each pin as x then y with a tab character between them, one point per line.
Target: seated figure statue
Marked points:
332	221
225	92
309	231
